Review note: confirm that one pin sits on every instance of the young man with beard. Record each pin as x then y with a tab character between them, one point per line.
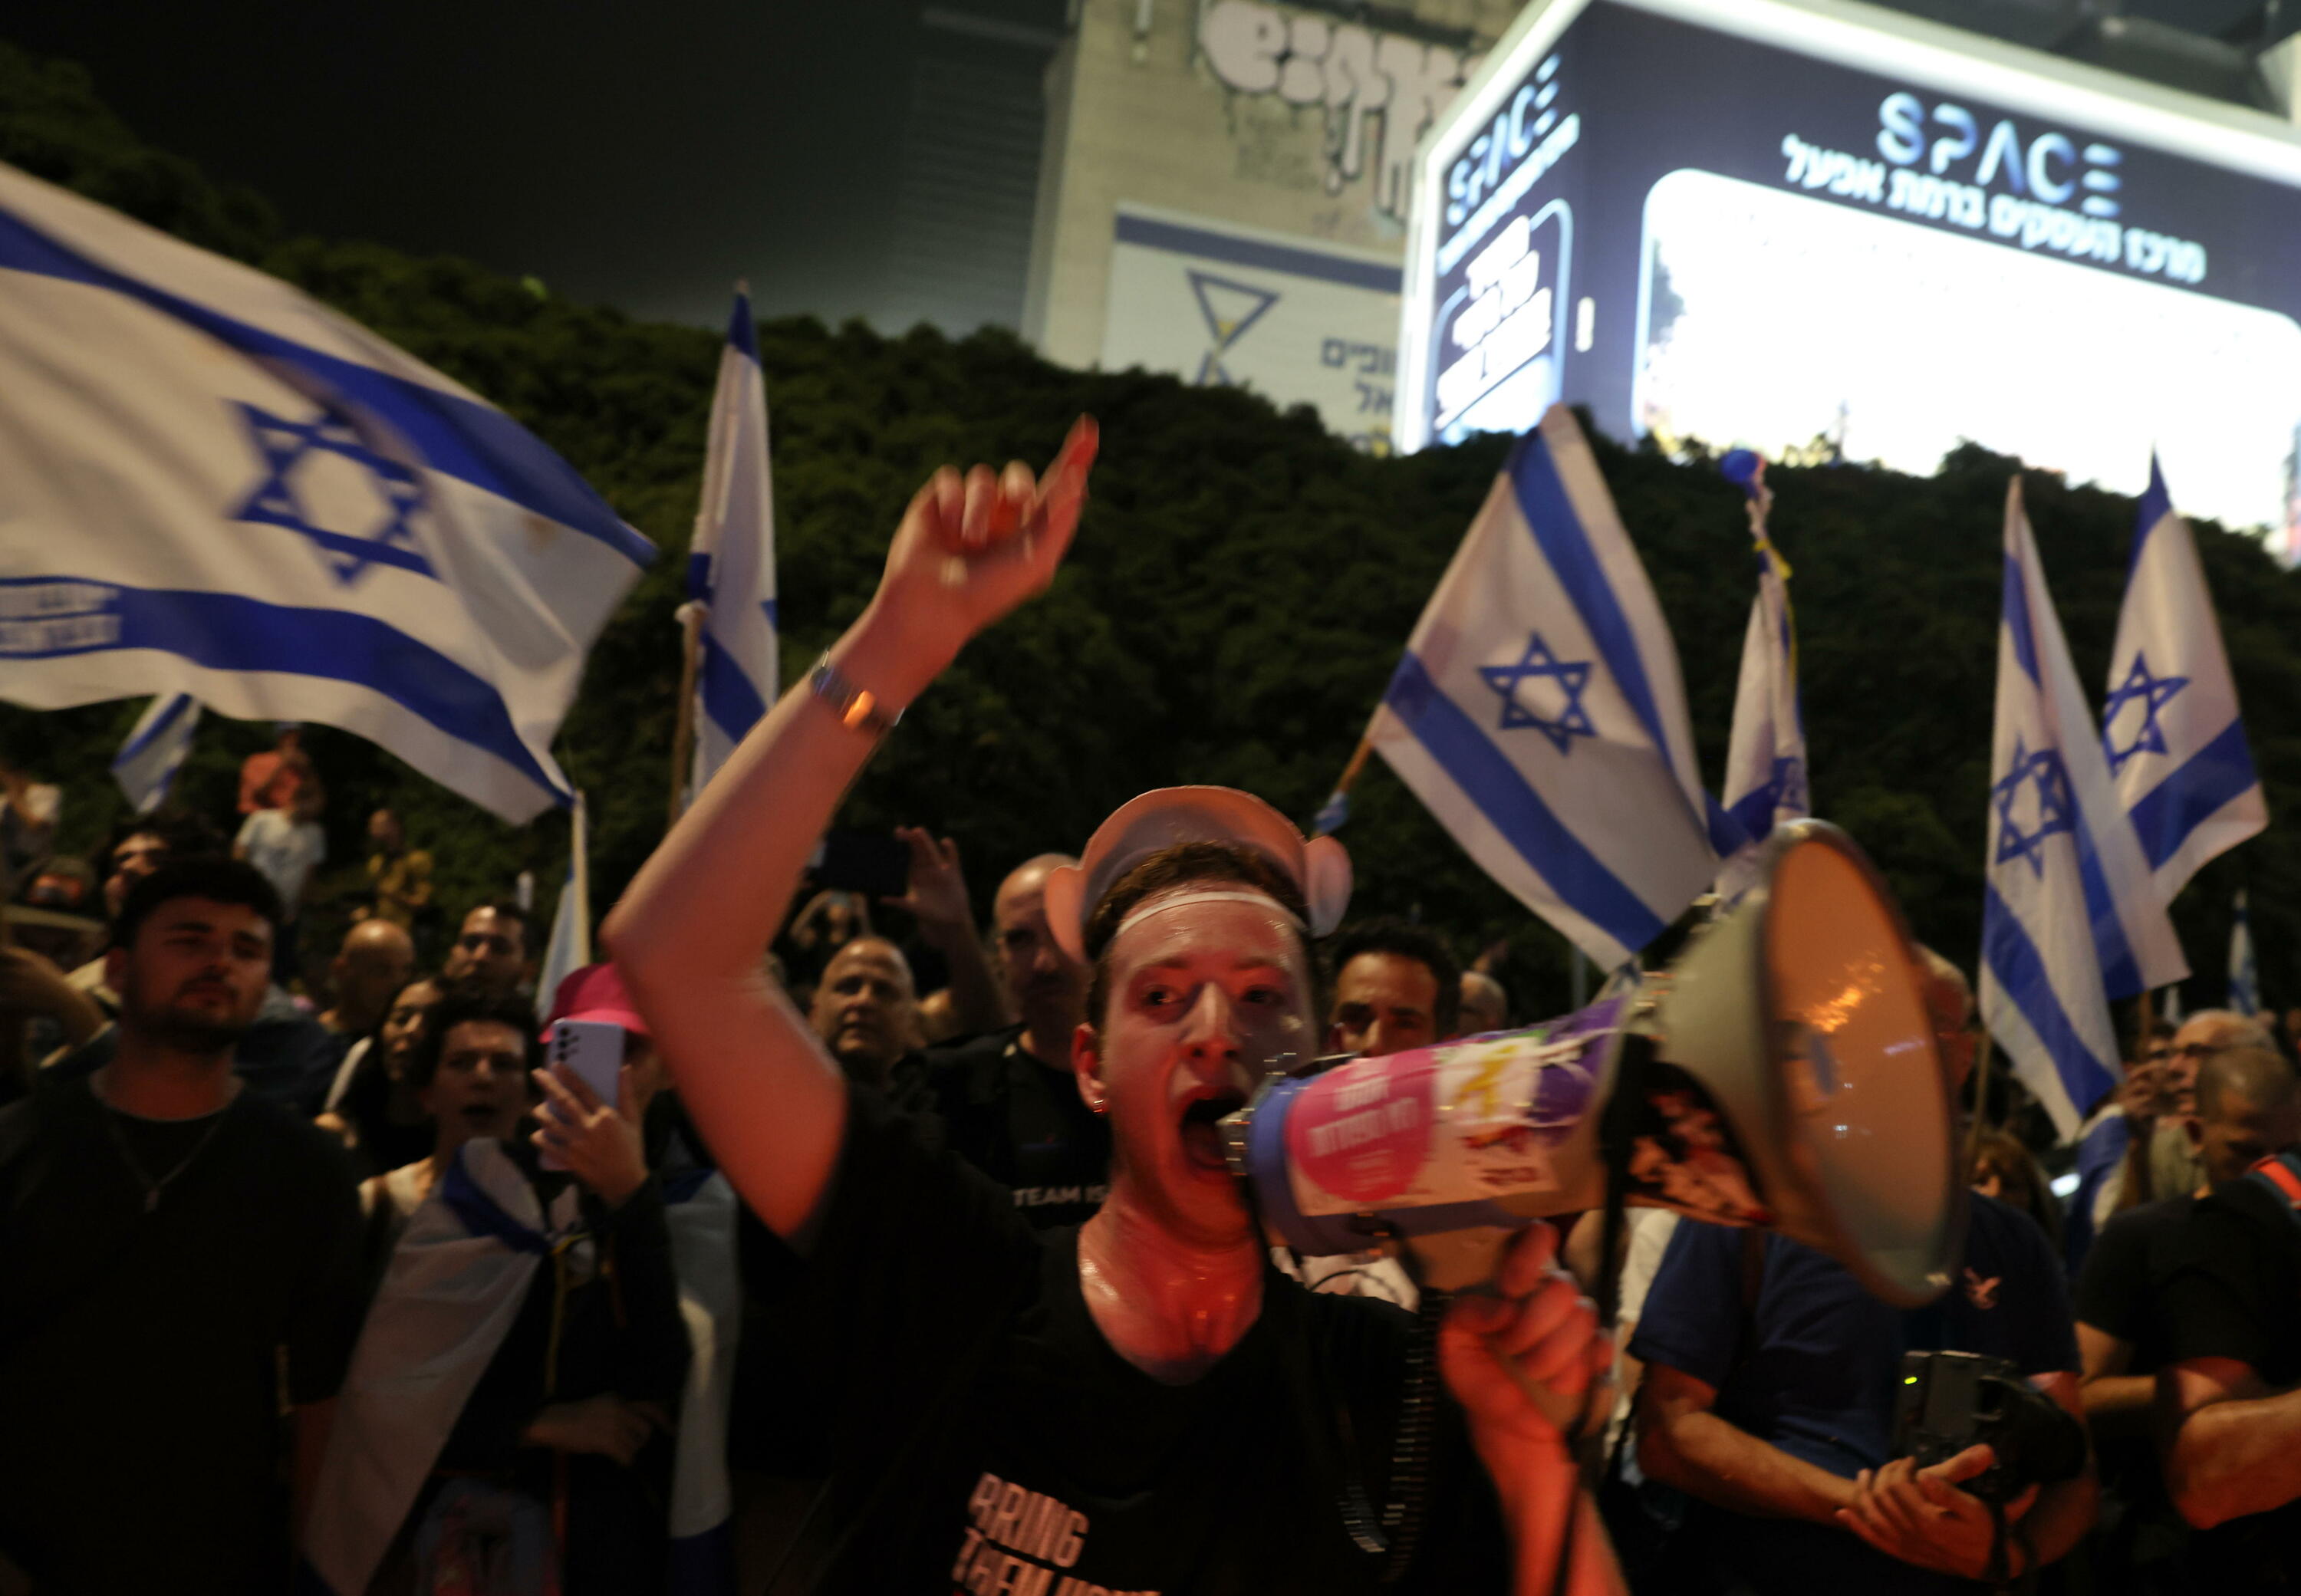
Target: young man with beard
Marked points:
1009	1101
177	1259
1143	1404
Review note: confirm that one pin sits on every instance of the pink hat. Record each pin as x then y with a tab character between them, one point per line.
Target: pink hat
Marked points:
596	992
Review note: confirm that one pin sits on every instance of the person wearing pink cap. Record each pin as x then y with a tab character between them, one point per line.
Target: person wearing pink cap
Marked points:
1140	1403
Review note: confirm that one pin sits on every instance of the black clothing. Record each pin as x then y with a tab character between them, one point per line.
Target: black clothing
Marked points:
141	1351
2140	1540
1022	1122
618	1329
990	1438
384	1143
2233	1290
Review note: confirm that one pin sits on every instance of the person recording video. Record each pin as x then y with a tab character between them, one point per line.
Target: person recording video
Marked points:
1140	1403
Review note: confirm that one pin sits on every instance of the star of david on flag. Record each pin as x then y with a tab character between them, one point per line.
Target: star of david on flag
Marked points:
1537	663
2071	916
2176	742
294	453
2024	827
2150	693
218	487
1578	791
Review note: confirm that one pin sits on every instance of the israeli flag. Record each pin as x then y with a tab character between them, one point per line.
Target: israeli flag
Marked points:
1539	713
731	565
147	764
1765	759
571	923
2070	917
2177	747
212	483
2243	974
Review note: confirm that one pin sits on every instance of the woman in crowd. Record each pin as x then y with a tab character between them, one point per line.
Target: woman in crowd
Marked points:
373	1105
504	1423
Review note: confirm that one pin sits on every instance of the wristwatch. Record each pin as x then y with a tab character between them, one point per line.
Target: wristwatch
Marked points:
857	707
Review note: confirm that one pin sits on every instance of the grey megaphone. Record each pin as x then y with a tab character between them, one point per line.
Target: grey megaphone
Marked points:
1782	1072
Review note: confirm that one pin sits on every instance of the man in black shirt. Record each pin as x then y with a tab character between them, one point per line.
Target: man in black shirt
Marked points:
177	1258
1009	1101
2229	1421
2245	1102
1143	1404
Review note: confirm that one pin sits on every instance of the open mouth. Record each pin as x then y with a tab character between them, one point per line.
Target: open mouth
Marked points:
1202	1132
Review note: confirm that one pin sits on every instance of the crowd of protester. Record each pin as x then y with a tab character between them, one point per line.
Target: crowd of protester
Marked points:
340	1281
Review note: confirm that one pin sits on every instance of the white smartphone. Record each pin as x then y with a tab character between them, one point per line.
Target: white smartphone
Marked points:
593	1052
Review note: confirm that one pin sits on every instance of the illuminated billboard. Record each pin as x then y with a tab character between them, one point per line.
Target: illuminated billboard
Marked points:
1822	230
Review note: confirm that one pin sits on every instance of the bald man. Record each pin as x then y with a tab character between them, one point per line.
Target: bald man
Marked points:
1485	1005
1009	1100
2163	1159
375	961
867	1011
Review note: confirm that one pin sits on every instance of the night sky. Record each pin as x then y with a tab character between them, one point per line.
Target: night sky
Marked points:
643	155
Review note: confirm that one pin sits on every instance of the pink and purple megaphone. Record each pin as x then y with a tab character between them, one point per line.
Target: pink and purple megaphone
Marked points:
1782	1072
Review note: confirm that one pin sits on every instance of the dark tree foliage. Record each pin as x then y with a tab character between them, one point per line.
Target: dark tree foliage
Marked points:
1236	599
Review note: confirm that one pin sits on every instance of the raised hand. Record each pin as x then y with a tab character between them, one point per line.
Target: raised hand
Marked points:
936	893
598	1142
971	548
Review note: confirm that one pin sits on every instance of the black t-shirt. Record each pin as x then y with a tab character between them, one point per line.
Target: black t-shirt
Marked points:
144	1352
2119	1294
990	1438
1023	1122
2233	1290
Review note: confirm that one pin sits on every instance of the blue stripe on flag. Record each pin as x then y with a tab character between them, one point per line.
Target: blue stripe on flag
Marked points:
740	331
698	577
179	706
1559	533
456	436
2021	972
1729	833
2017	617
729	699
1528	824
2121	973
2156	503
2211	777
229	631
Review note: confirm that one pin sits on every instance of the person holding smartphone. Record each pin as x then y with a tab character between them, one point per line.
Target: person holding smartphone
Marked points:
513	1383
1140	1403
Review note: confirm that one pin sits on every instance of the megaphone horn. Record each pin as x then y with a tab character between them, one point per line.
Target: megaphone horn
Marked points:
1782	1072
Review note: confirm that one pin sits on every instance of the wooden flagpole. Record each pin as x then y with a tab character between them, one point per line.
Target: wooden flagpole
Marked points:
682	736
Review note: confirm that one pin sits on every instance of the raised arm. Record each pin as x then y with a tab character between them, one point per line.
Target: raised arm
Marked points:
690	933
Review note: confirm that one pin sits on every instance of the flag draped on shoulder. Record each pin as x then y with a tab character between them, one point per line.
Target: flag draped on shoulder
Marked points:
1539	713
2176	743
2244	973
731	565
570	949
1765	758
211	483
2070	917
157	748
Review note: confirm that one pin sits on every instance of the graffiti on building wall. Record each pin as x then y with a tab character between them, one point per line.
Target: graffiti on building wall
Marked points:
1378	90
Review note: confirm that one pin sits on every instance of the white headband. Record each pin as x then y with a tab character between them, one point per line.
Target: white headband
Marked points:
1159	903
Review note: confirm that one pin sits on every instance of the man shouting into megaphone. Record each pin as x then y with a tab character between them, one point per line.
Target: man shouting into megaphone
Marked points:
1142	1404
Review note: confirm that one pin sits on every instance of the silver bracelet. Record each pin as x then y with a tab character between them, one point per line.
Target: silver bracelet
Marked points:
857	707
